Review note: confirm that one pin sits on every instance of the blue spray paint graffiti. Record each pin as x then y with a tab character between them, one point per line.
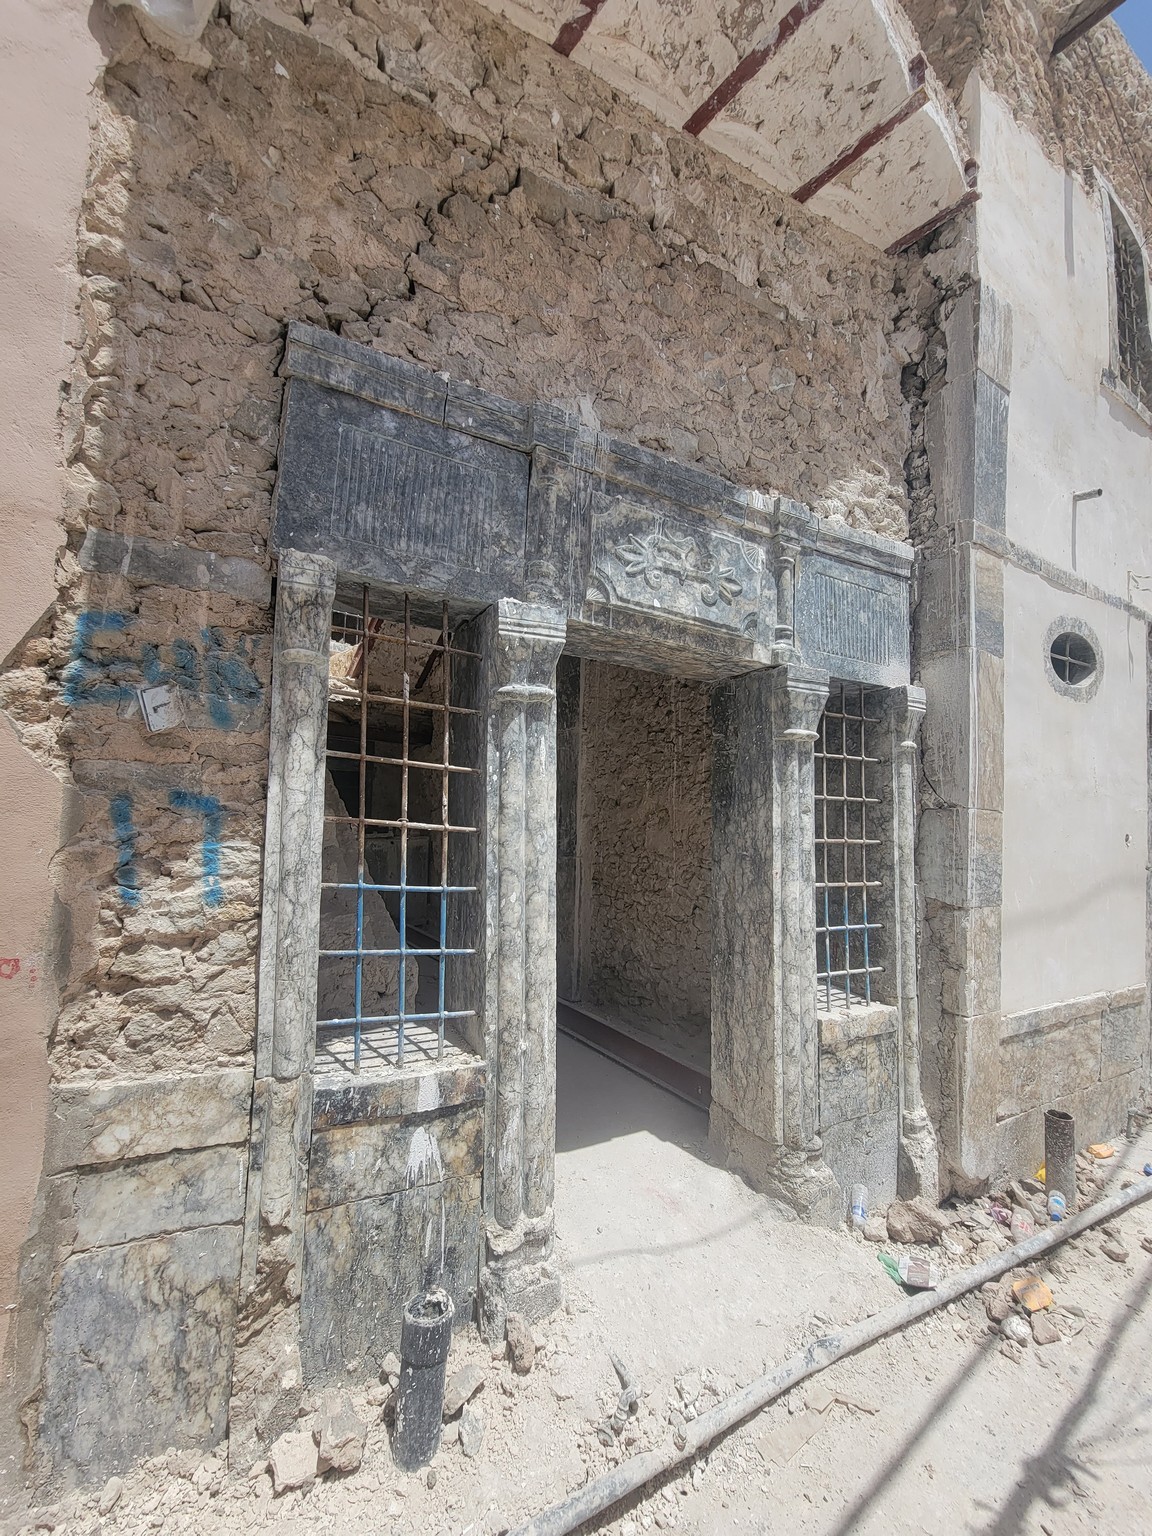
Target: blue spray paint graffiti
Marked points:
127	879
208	807
218	673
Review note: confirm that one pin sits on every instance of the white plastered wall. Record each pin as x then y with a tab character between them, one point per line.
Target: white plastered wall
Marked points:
1075	794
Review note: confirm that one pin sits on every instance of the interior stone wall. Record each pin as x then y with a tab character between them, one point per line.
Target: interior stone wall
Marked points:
644	945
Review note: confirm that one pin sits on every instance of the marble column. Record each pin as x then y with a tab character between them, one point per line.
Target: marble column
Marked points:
918	1169
267	1381
765	1088
522	643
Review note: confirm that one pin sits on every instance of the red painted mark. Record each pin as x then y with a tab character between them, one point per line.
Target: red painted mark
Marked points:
8	969
572	31
750	66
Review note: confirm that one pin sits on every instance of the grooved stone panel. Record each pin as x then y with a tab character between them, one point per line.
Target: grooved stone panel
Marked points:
394	498
853	621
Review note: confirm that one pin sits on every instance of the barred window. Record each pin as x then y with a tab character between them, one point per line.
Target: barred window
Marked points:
1133	340
847	847
393	923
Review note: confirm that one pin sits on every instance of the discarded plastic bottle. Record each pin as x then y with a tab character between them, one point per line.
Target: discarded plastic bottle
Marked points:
859	1205
1057	1206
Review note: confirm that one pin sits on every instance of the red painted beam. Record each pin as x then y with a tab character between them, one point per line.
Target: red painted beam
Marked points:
574	29
750	66
869	140
932	224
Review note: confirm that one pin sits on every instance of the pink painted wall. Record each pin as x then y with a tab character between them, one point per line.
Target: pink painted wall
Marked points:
48	62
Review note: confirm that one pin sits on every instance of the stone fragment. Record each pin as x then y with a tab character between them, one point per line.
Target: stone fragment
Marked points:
293	1461
339	1435
998	1302
463	1386
390	1366
915	1221
471	1430
688	1387
110	1495
1015	1330
1044	1330
521	1343
1114	1250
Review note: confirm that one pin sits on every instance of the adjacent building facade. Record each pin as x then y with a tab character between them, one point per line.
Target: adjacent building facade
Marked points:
546	517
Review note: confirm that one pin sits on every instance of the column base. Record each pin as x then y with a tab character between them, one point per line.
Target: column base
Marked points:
517	1275
799	1180
918	1160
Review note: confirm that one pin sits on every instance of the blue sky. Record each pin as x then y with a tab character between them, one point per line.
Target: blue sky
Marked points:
1135	18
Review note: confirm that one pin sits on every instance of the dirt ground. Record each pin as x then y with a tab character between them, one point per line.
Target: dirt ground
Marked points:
697	1285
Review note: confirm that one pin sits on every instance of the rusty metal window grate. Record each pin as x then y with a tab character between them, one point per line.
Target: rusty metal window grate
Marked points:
389	909
1133	338
846	768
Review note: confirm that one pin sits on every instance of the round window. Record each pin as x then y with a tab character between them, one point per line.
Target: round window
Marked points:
1072	652
1073	659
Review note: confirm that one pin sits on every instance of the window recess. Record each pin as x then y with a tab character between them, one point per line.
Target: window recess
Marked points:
391	914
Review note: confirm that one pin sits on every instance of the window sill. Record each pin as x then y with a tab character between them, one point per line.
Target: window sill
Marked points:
1111	384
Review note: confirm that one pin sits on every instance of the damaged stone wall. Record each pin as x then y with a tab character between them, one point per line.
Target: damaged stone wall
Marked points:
645	844
426	182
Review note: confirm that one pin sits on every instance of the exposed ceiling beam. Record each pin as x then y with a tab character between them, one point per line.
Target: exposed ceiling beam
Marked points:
574	29
751	65
875	135
1097	14
934	223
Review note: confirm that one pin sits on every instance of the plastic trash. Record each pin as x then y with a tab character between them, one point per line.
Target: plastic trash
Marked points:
1057	1206
858	1207
1032	1293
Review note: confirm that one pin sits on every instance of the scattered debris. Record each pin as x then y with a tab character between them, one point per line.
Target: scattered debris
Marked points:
1044	1330
782	1442
1015	1329
293	1461
472	1430
521	1343
876	1229
110	1496
915	1221
339	1435
1115	1250
1101	1150
464	1385
821	1398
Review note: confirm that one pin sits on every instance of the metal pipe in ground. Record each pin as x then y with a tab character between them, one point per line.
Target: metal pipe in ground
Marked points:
1060	1156
425	1336
602	1493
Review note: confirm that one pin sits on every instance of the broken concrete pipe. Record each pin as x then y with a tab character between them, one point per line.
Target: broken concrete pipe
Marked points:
1060	1156
425	1336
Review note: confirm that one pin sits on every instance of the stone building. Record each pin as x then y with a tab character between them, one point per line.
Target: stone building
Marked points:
531	503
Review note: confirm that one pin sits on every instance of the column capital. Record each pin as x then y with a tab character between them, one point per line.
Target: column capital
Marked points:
529	638
799	694
298	568
906	708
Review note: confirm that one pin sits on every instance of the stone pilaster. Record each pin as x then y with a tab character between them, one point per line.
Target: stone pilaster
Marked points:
765	1110
267	1380
522	643
918	1171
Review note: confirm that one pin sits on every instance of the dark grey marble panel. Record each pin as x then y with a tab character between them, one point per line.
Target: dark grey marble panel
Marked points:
990	476
853	621
365	1259
139	1351
395	499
